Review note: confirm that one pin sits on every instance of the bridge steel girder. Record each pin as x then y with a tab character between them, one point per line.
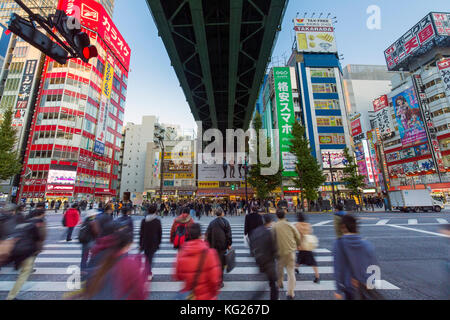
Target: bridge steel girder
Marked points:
276	14
220	50
164	32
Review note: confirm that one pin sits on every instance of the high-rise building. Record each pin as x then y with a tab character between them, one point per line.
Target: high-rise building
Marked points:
416	141
73	149
322	98
134	154
362	85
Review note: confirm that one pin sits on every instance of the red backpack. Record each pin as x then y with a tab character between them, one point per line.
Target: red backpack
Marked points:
180	235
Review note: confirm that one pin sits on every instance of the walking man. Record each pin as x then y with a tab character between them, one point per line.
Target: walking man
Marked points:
150	236
288	240
72	217
219	236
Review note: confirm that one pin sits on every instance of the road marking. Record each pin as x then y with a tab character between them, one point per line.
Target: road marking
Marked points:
167	271
230	286
322	223
382	222
418	230
412	221
442	221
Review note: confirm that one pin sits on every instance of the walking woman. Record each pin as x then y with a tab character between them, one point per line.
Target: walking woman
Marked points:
305	256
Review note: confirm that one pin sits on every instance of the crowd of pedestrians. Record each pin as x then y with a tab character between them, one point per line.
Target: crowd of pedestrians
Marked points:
110	271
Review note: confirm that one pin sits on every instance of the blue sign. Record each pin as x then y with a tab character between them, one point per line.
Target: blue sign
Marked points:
99	147
4	41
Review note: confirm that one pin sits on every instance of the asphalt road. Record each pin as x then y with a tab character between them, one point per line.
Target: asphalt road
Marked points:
409	248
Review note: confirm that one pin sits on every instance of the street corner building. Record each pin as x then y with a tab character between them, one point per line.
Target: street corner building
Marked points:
74	135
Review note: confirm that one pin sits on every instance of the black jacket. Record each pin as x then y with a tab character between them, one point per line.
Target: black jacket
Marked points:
150	234
219	235
252	221
263	247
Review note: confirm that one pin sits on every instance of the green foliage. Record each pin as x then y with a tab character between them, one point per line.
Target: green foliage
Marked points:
310	176
263	184
355	182
9	160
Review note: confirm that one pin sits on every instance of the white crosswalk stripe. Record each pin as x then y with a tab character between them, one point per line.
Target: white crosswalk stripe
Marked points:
52	269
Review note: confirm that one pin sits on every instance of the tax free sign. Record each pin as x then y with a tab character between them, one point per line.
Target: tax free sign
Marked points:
286	117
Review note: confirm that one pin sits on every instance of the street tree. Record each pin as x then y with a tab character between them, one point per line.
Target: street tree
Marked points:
263	184
309	173
9	159
354	181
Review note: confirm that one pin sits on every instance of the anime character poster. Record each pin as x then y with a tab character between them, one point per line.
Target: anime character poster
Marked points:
409	118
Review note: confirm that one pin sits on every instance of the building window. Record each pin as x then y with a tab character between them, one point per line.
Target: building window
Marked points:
322	73
324	88
326	104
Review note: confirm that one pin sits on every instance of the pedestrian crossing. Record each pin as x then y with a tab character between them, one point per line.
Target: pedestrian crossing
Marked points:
54	269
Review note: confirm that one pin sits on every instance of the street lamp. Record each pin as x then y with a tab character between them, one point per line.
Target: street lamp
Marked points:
158	139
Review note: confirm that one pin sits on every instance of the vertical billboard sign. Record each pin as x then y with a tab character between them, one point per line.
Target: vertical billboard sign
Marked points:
356	127
108	77
383	117
430	128
409	118
368	161
315	35
286	117
24	93
444	69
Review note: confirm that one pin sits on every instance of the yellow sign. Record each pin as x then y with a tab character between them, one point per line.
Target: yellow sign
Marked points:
184	176
167	176
108	80
277	190
178	156
208	184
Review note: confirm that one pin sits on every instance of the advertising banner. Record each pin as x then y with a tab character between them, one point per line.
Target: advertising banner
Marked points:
24	93
94	17
444	69
356	127
442	23
368	160
62	177
409	118
219	172
208	184
422	33
108	77
332	138
315	35
337	159
286	117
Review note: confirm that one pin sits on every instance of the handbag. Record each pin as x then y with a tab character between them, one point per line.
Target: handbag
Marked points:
246	241
64	223
189	295
361	290
310	242
230	260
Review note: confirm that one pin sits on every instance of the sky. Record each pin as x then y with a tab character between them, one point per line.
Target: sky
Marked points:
154	89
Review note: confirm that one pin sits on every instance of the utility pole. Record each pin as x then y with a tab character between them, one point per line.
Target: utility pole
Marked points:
162	170
158	139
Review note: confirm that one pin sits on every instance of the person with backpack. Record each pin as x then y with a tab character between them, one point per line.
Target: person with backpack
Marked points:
288	240
113	273
305	254
352	256
125	218
89	231
198	266
179	229
264	249
219	237
71	219
29	240
150	236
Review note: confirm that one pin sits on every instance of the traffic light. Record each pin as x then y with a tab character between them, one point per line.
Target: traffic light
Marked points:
28	32
70	29
233	187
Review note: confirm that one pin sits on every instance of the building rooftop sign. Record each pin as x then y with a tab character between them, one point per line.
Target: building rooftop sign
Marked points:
432	31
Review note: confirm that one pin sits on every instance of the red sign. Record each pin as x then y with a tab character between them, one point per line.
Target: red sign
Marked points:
55	188
380	103
94	17
356	127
